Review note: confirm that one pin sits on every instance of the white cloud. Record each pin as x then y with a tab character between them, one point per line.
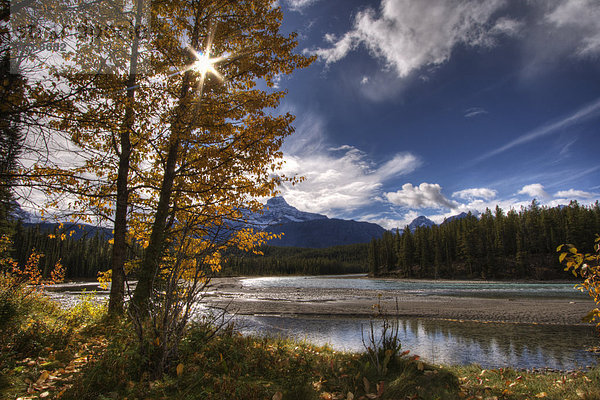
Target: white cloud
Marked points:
299	5
410	34
583	114
475	193
426	195
392	222
582	17
309	136
534	190
341	179
472	112
575	194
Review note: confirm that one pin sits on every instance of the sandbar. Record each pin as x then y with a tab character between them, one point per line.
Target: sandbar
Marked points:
350	303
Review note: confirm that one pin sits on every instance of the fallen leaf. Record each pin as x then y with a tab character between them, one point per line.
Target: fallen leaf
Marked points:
367	384
42	377
541	395
278	396
420	366
350	396
179	369
45	394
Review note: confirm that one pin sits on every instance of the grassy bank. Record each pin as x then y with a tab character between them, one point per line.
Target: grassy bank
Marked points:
77	354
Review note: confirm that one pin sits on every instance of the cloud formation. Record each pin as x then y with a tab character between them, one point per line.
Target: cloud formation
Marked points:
342	178
582	114
575	194
426	195
474	111
475	193
410	34
299	5
582	17
534	190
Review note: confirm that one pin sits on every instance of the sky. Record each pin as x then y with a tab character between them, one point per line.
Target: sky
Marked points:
435	107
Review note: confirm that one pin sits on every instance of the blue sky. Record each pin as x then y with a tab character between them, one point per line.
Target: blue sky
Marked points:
434	107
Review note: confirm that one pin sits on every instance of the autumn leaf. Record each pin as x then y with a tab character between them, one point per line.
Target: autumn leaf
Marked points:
179	369
278	396
43	377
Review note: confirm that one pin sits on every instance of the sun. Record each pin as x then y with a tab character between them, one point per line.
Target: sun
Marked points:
205	64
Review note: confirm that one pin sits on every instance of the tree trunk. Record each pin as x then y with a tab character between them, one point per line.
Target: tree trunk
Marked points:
156	245
119	250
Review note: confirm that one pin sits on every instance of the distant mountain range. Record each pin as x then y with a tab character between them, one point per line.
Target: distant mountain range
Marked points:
278	211
299	228
420	222
304	229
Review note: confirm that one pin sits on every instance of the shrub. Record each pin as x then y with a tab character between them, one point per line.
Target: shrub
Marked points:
586	266
383	344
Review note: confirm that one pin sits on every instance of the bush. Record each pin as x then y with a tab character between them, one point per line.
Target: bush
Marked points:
587	267
383	344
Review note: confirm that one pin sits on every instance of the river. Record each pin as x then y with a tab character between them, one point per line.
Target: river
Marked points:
437	340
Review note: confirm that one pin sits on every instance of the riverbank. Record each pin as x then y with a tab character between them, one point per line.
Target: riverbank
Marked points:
230	293
51	352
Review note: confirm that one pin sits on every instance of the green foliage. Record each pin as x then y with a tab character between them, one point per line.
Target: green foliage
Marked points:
231	366
587	267
515	245
116	369
508	383
87	311
82	257
348	259
382	343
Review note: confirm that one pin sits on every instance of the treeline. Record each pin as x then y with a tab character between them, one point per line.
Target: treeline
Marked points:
88	251
514	245
83	253
348	259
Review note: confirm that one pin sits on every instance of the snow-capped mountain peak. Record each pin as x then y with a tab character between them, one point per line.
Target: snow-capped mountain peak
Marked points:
420	222
278	211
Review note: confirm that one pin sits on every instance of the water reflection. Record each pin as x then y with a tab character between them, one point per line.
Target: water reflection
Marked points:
491	345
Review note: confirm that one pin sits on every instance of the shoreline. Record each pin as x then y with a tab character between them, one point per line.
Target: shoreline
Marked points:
355	303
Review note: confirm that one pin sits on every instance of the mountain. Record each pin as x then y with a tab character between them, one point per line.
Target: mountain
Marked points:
278	211
304	229
300	228
18	214
454	218
321	233
420	222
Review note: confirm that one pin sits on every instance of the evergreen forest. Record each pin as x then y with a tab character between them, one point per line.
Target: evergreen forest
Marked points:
497	245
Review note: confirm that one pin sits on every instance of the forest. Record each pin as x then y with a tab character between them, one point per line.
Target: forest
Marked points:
497	245
348	259
513	245
88	252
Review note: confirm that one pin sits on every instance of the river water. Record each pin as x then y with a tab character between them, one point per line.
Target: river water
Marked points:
420	287
491	345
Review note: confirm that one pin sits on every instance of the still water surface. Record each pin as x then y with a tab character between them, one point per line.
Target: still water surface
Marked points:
491	345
